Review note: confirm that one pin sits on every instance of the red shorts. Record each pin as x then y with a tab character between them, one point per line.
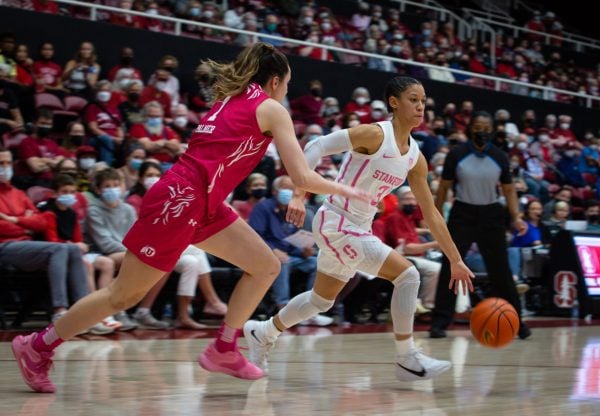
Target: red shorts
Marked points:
173	216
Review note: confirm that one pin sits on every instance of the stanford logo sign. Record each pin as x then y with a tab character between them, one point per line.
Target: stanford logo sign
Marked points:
565	289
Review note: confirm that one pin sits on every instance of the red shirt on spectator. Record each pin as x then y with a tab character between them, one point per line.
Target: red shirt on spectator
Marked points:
49	72
400	226
25	75
123	19
363	111
109	121
14	202
131	73
307	108
37	147
150	93
138	131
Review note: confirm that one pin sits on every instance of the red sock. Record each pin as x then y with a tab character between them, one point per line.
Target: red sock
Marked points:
47	339
227	338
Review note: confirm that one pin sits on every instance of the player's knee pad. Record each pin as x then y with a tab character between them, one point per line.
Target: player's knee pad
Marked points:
322	304
302	307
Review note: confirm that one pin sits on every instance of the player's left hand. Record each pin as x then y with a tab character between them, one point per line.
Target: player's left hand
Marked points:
460	273
296	211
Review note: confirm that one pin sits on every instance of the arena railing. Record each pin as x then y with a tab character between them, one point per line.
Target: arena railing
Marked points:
490	82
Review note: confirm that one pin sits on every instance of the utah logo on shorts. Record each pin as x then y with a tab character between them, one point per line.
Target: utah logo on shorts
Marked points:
148	251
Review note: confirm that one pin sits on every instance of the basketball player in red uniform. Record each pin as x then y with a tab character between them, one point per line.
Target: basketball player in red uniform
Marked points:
186	207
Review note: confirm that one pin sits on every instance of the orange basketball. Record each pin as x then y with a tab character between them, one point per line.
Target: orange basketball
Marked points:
494	322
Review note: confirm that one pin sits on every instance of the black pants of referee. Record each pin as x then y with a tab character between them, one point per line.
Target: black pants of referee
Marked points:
484	225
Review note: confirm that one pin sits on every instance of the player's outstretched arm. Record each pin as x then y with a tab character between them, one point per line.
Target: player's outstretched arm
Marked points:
417	177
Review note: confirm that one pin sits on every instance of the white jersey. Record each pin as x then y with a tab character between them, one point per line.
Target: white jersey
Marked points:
378	174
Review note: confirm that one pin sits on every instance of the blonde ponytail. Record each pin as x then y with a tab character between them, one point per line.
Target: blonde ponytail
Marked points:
256	63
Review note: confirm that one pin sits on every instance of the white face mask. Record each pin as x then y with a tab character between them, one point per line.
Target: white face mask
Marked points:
87	163
180	121
544	138
522	146
103	96
438	170
361	100
6	173
160	85
149	181
353	123
565	126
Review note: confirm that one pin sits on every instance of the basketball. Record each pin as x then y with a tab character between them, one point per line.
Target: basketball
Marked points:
494	323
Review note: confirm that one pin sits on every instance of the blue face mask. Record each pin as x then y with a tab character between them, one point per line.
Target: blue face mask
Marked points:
284	196
111	194
135	164
154	122
68	200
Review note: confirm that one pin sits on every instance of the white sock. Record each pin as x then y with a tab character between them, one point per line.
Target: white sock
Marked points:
142	311
271	330
405	345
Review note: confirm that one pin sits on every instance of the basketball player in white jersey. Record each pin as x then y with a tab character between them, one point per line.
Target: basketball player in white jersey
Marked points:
381	156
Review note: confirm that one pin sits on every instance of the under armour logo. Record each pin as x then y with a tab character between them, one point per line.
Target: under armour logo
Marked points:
148	251
192	223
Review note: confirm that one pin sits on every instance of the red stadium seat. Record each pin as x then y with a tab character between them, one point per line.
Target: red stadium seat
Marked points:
50	101
39	194
75	103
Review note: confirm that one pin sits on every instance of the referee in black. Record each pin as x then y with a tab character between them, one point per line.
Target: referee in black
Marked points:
474	170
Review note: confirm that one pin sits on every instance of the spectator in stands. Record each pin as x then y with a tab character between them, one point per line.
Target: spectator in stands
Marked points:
378	111
268	220
10	114
38	154
182	125
164	79
47	72
159	141
559	217
401	234
109	218
592	215
103	121
535	24
74	138
256	190
233	17
568	166
361	20
589	161
136	154
45	6
153	92
533	217
63	227
308	107
313	52
68	166
201	96
564	194
7	57
463	117
440	74
126	19
25	75
86	159
20	221
124	72
359	104
270	26
130	109
502	118
81	73
250	24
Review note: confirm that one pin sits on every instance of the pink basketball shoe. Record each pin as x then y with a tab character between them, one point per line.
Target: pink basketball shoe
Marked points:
232	363
34	365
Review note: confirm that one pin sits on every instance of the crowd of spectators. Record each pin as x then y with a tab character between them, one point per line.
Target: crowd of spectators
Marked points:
79	118
419	37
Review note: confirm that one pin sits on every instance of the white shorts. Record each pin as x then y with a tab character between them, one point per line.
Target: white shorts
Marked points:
345	248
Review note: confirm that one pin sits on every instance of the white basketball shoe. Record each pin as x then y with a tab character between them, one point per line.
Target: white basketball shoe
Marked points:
414	366
259	344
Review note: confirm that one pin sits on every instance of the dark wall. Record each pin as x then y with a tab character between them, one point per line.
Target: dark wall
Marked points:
339	80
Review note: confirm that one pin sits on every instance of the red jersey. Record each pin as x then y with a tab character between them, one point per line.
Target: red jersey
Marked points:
226	146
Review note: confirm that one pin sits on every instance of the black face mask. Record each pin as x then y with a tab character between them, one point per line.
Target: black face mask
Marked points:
593	218
258	192
409	209
43	131
76	140
440	131
133	96
316	92
126	60
481	138
331	123
169	68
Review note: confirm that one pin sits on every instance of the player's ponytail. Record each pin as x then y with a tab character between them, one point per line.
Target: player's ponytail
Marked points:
256	63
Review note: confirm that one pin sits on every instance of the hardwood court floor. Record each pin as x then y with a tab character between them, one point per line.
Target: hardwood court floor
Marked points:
555	372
